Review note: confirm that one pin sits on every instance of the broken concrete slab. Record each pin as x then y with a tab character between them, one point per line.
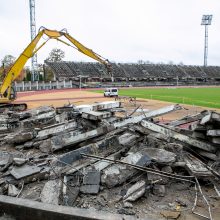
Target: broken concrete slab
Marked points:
95	116
39	110
39	120
20	137
83	108
160	156
91	177
196	167
102	164
215	140
188	119
12	190
175	135
89	189
71	138
45	146
135	191
19	161
209	155
212	117
119	173
24	171
23	207
106	105
51	192
150	114
127	205
4	158
128	138
55	129
199	135
214	133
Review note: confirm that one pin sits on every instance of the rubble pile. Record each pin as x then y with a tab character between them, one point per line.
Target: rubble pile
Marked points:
101	157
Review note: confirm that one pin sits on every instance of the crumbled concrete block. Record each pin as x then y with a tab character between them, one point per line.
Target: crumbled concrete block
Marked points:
160	155
45	146
127	139
24	171
119	173
28	144
127	205
167	169
71	138
55	129
51	192
89	189
12	190
19	161
92	177
20	137
159	190
135	191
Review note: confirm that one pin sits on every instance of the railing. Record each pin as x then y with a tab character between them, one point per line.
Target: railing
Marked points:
31	86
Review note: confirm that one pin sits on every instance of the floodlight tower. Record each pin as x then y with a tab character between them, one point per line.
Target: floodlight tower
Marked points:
34	75
206	20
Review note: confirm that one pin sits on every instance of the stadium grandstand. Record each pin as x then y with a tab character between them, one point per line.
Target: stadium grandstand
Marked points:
126	74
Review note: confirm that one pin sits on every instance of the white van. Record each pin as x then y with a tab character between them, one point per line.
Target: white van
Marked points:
111	92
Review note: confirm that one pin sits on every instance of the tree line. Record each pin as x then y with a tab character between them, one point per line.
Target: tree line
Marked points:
45	73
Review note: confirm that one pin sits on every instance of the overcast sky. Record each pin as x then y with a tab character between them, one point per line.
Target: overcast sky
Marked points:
119	30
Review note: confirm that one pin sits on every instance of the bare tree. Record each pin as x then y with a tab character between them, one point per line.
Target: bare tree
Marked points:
7	61
56	55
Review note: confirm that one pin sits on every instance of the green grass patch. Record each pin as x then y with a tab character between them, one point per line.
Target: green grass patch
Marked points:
207	97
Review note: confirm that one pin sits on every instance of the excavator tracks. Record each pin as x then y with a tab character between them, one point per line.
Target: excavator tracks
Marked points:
13	107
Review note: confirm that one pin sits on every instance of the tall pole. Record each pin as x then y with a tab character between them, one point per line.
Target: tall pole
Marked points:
206	45
34	73
206	20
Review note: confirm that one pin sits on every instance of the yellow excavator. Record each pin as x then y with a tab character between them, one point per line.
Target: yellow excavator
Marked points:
8	94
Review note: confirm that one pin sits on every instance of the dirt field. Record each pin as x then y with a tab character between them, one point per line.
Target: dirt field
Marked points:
78	97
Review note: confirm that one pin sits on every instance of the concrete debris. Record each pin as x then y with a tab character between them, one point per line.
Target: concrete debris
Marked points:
51	192
119	173
127	139
71	138
177	136
161	156
150	114
20	137
196	167
103	156
159	190
4	158
45	146
188	119
12	190
23	171
89	189
212	117
95	116
56	129
135	192
92	177
19	161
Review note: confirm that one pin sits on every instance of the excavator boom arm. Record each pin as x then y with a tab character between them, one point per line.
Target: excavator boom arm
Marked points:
30	50
18	65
